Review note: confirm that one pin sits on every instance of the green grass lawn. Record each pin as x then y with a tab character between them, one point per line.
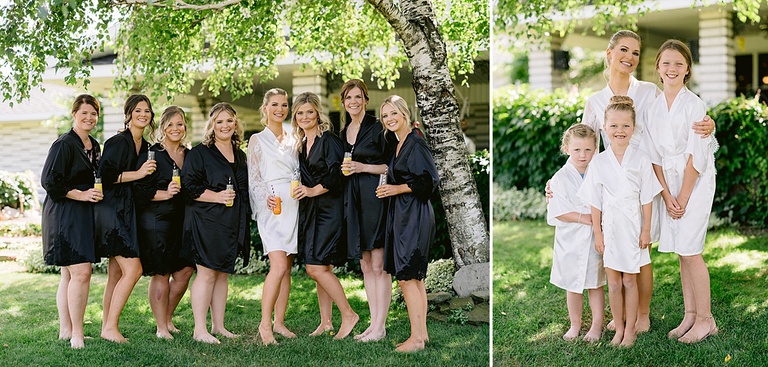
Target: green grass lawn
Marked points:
29	331
530	314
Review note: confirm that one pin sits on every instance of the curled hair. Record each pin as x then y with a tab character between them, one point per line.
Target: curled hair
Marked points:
209	137
683	49
399	104
269	94
323	122
346	88
580	131
165	121
130	105
86	99
621	103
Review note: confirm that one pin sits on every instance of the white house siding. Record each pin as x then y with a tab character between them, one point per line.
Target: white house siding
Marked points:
716	71
24	146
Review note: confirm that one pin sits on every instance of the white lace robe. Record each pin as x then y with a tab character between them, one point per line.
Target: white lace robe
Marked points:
271	165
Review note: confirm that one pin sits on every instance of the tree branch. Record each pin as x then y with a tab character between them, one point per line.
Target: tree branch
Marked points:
178	4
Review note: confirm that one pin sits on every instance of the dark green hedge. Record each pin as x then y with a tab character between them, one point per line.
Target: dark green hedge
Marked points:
528	124
527	128
742	161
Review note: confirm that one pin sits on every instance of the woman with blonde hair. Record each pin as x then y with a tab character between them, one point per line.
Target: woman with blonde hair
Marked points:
321	209
272	164
410	231
215	177
160	210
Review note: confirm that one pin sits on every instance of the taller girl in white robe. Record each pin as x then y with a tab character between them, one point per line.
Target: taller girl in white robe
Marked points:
620	190
576	265
271	165
671	142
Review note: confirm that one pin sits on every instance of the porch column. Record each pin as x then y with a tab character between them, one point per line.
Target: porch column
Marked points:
541	65
716	72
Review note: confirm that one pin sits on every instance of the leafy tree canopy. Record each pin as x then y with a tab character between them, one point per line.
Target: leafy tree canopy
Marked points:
229	43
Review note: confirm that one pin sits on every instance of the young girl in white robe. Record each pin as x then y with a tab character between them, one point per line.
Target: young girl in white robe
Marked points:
620	187
576	265
685	166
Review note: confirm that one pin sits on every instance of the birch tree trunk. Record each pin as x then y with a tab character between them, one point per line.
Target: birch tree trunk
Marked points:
415	23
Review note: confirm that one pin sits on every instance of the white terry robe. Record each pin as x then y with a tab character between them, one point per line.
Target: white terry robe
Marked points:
619	191
576	265
271	165
643	95
671	142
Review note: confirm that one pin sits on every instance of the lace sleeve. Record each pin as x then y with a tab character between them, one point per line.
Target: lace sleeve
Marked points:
256	184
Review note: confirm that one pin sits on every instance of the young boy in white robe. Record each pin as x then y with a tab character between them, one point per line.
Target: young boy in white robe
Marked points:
620	188
576	265
685	167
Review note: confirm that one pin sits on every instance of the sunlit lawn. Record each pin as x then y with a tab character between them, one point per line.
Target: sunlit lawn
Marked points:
29	331
530	314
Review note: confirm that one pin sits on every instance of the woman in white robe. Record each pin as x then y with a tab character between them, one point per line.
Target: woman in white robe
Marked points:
685	166
272	163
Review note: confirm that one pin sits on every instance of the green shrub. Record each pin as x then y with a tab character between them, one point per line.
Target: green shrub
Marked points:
20	229
440	276
32	259
527	129
515	204
742	163
256	265
17	190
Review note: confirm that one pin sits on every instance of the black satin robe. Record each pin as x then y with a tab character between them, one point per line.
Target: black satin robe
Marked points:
321	217
68	228
160	222
215	233
410	217
116	215
364	213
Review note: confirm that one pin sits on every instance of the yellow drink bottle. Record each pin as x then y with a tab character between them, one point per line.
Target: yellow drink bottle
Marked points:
97	184
347	158
176	178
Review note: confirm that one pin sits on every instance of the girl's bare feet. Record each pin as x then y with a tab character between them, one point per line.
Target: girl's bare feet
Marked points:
373	336
77	342
611	326
322	328
704	327
629	339
410	345
593	334
206	338
265	332
113	336
643	324
65	334
224	332
282	330
364	333
164	335
172	328
688	320
572	333
617	339
347	324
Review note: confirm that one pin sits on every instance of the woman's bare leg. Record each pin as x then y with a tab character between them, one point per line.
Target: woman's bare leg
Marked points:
201	294
130	267
158	290
278	266
281	306
62	305
178	286
219	305
77	299
324	276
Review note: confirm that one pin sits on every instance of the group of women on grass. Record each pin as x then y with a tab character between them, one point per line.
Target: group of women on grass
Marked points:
654	181
165	211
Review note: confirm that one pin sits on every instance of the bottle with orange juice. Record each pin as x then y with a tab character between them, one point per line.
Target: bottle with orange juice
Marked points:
294	182
176	177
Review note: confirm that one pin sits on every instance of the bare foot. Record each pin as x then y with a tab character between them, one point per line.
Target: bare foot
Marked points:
704	327
410	345
364	333
282	330
206	338
688	320
617	339
172	328
593	334
77	343
265	332
629	339
321	329
224	332
165	334
113	336
572	333
373	336
65	334
347	324
611	326
643	324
